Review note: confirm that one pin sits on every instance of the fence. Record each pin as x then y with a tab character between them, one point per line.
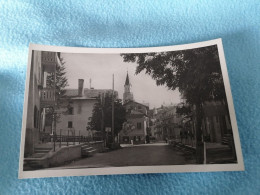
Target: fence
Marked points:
45	137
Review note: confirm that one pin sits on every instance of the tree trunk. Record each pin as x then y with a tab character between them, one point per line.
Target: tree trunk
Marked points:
199	141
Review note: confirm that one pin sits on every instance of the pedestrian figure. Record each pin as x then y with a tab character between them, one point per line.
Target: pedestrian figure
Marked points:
181	136
147	139
186	136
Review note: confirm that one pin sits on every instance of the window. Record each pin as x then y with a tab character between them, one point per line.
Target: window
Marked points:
137	138
139	125
35	118
217	119
79	107
70	124
126	139
70	110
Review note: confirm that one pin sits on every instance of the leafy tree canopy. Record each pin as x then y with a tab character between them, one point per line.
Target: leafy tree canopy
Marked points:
106	105
183	110
61	80
196	73
59	83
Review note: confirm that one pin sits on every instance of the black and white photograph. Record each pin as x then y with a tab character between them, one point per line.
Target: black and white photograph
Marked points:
98	111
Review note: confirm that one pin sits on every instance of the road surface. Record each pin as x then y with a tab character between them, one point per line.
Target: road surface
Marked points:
137	155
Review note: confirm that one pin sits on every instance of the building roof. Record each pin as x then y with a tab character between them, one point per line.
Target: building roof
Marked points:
130	101
135	114
88	93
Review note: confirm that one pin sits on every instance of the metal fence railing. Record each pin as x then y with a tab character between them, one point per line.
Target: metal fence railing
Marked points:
67	139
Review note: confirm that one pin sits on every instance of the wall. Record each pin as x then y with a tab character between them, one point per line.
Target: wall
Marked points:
70	153
82	110
32	133
63	155
132	132
136	106
216	122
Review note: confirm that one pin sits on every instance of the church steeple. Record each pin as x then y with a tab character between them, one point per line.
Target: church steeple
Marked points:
128	95
127	79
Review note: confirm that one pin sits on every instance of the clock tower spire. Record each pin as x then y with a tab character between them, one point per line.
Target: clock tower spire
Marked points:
128	95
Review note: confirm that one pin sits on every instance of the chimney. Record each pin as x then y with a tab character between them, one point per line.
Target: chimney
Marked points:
81	88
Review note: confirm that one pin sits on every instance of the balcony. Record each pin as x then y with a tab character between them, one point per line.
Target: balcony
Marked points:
49	61
47	97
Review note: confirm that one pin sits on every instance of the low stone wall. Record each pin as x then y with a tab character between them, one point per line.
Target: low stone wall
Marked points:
172	142
31	139
98	145
180	146
62	155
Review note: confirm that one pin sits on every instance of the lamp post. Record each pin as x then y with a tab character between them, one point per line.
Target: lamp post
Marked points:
79	137
54	108
113	112
102	115
60	138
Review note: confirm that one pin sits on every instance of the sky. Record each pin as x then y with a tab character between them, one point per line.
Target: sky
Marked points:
100	68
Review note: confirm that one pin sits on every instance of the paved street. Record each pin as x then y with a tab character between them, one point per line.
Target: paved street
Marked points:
138	155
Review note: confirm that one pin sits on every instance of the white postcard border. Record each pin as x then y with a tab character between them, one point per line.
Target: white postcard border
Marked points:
52	172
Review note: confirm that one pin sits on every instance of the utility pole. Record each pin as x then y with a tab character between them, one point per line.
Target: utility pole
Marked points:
54	110
113	112
60	138
102	115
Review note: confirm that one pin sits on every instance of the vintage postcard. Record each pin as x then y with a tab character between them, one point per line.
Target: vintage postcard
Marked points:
95	111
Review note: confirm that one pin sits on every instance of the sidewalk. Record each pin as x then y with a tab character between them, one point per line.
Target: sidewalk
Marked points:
216	153
40	150
46	157
137	155
138	145
215	145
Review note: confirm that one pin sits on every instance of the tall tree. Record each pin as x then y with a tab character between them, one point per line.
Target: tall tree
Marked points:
59	82
183	110
196	73
105	105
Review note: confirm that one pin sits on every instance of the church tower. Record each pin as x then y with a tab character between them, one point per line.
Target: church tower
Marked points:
128	95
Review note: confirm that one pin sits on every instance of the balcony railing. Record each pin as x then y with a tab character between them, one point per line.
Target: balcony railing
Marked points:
49	61
47	97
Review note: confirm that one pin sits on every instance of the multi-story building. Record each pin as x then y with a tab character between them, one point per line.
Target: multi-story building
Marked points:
40	96
167	123
216	124
171	123
137	124
77	108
